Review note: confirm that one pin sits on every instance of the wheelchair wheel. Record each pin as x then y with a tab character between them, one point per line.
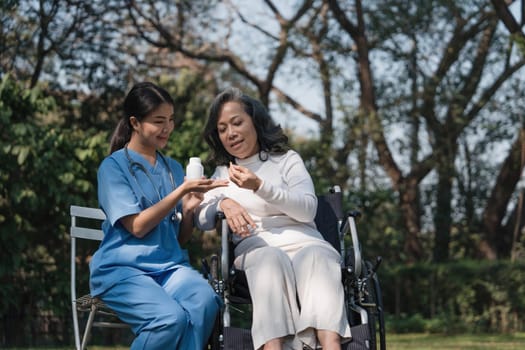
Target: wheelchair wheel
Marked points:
380	313
214	268
215	340
368	301
373	302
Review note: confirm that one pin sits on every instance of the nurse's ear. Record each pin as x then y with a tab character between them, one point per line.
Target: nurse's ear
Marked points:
134	122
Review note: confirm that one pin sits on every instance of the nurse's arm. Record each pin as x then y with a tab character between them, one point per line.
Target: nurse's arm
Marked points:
139	225
142	223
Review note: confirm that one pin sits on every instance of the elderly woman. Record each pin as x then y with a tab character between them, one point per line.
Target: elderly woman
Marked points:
294	275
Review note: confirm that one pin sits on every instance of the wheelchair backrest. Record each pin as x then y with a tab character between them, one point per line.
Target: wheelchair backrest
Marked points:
327	220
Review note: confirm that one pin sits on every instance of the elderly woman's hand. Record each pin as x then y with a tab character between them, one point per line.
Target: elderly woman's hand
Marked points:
243	177
239	221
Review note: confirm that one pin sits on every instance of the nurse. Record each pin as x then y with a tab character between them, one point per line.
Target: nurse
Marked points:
140	269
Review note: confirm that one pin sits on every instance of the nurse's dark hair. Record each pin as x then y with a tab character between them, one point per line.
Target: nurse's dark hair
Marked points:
140	101
270	136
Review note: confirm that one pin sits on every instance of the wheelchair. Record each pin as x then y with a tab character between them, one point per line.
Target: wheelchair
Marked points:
363	298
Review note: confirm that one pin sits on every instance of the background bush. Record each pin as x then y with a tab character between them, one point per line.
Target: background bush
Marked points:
467	295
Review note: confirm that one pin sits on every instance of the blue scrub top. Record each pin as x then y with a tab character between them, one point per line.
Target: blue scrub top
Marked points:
124	189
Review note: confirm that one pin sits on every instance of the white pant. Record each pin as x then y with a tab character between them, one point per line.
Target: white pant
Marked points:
295	289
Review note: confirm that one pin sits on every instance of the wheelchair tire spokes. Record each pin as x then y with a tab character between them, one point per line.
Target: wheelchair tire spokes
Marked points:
214	269
374	269
206	269
368	301
211	272
380	312
365	308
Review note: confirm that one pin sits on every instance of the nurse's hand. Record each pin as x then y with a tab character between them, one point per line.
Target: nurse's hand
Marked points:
191	201
203	185
238	219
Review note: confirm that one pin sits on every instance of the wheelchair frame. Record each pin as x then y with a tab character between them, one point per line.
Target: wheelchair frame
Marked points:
363	296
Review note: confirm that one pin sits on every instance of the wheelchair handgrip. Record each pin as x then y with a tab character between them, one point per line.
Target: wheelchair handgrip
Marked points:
335	199
354	213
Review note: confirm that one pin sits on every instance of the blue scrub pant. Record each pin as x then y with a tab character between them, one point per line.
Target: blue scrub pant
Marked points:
173	310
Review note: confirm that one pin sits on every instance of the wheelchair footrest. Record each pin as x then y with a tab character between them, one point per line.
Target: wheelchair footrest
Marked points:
360	338
237	338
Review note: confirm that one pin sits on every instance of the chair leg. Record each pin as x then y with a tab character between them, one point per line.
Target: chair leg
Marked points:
89	324
75	325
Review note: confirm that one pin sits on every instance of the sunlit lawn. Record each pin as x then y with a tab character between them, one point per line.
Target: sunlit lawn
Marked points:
414	342
457	342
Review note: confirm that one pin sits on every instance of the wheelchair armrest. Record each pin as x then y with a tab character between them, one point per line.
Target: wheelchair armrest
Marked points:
225	245
349	226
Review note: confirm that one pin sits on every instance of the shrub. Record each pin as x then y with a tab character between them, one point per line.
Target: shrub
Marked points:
477	296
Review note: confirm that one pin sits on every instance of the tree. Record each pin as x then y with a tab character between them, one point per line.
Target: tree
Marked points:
45	169
449	97
492	221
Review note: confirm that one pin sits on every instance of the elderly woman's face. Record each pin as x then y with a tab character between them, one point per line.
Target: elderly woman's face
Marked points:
236	131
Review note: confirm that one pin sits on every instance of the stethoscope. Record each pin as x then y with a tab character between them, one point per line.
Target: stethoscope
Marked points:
176	216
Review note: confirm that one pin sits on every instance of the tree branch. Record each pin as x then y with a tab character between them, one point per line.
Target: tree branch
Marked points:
504	14
282	96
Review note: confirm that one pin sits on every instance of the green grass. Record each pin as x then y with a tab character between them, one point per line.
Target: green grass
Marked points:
411	342
455	342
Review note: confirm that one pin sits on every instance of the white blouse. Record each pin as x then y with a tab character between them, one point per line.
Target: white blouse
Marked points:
283	207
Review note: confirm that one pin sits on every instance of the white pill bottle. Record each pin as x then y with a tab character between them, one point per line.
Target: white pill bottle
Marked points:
194	169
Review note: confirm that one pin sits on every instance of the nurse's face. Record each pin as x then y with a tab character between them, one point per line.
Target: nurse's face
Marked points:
154	130
236	131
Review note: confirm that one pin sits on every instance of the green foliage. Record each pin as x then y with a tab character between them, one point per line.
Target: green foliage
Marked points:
380	226
406	324
316	156
44	169
474	296
192	97
520	42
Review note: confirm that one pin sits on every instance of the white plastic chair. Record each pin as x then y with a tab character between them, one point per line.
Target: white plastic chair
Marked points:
87	303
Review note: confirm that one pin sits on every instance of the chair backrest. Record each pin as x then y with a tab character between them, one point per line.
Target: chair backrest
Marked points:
79	230
80	218
83	221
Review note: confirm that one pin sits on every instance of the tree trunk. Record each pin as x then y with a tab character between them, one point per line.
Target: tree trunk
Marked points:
410	209
442	218
496	241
